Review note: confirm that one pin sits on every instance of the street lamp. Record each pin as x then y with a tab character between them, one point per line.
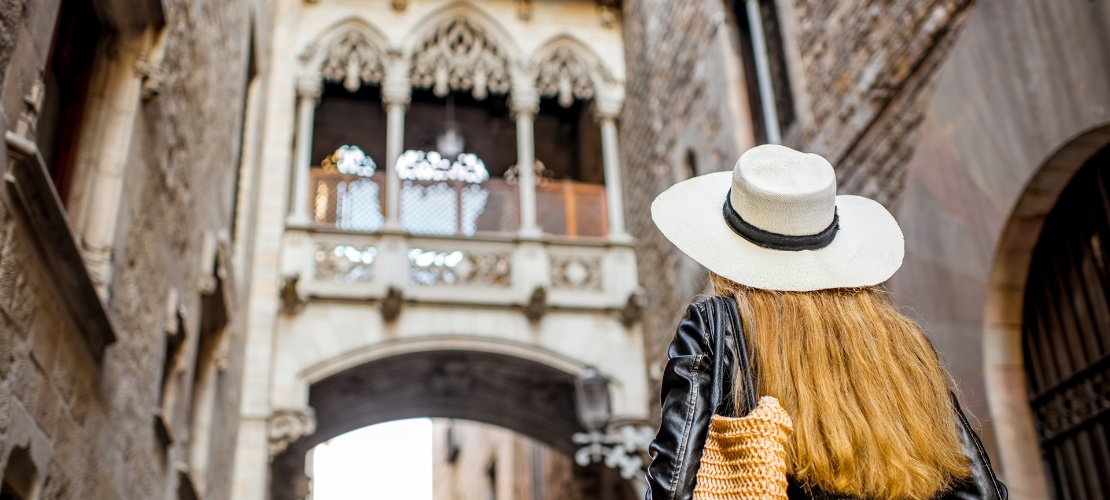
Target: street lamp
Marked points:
620	448
591	390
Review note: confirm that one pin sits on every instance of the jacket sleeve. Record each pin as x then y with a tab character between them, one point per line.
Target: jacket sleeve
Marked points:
686	410
982	484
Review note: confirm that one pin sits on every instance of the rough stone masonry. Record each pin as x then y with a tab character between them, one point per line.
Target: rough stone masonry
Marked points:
93	422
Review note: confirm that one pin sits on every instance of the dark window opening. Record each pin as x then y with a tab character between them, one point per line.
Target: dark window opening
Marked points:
349	198
20	477
568	141
349	119
487	126
249	88
171	374
491	481
208	396
67	77
777	62
570	197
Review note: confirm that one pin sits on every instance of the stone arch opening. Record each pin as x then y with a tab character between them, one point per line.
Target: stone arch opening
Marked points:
524	396
1005	356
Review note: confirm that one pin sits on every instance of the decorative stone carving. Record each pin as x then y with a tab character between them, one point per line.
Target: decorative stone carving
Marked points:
633	309
623	448
608	11
291	300
537	305
524	9
460	56
153	79
576	272
344	263
353	60
563	74
289	425
392	303
430	267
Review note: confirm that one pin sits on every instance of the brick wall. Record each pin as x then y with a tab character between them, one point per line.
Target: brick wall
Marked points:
96	419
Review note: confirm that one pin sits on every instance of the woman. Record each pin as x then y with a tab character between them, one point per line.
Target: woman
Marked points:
872	414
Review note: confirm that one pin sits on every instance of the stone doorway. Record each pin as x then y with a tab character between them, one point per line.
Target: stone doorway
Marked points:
1066	335
525	397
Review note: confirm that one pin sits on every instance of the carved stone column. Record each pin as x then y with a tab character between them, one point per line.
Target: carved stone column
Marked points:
308	95
608	108
103	163
525	104
396	95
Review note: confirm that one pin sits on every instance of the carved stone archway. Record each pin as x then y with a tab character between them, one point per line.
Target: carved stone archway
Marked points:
1005	371
521	395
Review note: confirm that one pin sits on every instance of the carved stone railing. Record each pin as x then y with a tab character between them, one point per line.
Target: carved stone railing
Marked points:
487	271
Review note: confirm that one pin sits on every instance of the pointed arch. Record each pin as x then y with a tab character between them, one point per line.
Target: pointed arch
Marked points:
569	70
351	52
461	48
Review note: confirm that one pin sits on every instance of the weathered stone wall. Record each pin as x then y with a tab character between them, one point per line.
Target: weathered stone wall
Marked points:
863	71
97	418
685	113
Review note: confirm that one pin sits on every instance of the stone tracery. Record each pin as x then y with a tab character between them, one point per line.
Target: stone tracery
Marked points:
563	74
460	56
353	60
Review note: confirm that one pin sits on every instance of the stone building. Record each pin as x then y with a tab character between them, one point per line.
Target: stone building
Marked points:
231	230
440	231
121	337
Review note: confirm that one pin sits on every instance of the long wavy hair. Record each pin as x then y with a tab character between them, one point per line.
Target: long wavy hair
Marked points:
872	412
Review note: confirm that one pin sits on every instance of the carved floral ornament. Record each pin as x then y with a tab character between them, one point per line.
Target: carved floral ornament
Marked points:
563	74
460	56
353	60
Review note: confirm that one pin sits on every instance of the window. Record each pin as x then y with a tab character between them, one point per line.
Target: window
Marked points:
174	331
20	480
67	77
767	125
209	396
491	481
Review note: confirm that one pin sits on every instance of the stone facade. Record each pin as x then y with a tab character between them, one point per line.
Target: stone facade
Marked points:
862	75
477	461
685	114
162	130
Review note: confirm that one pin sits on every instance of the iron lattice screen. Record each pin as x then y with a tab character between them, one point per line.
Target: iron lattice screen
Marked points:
450	208
347	201
1067	336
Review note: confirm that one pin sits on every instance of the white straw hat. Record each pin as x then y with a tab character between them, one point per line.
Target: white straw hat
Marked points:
776	223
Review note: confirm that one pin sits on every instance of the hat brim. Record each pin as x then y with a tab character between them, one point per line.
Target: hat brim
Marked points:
868	248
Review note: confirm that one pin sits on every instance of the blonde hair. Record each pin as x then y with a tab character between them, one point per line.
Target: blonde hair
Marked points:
872	412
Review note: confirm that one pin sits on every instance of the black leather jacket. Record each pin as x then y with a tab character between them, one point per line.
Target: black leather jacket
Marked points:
697	383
